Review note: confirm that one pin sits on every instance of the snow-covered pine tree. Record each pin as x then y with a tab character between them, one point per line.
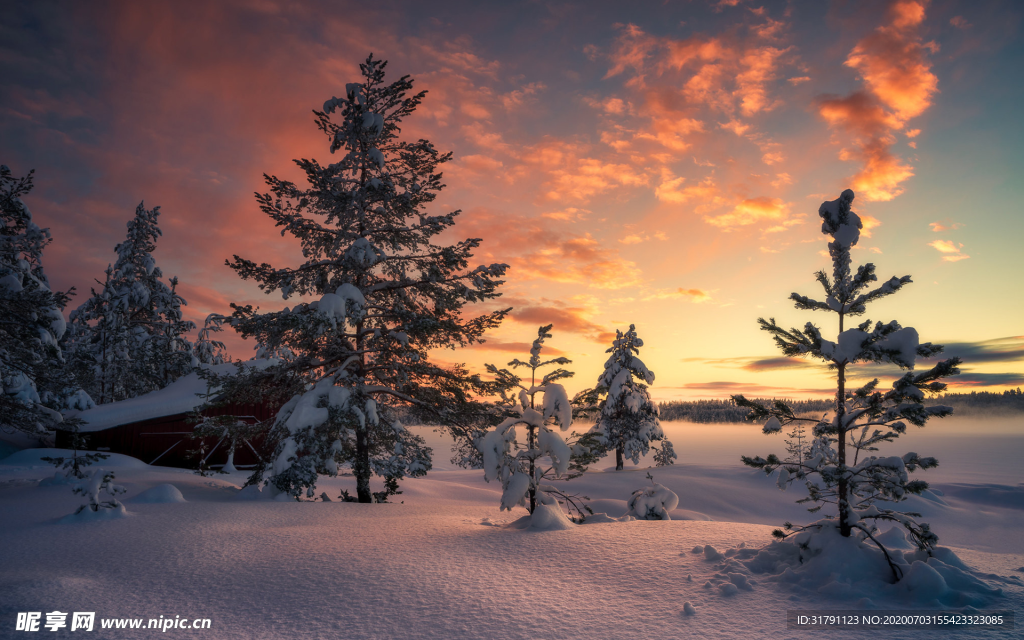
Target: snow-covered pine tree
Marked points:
206	349
74	467
628	421
31	322
514	460
839	468
99	489
387	295
129	338
797	443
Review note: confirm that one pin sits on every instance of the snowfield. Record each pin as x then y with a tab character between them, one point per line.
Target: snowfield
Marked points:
444	563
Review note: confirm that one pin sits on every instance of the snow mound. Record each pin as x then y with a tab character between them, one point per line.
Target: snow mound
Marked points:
599	518
711	554
252	492
58	479
822	561
88	515
33	457
688	609
653	503
548	516
160	494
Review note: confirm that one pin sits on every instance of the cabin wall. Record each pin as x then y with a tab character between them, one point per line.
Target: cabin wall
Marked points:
166	441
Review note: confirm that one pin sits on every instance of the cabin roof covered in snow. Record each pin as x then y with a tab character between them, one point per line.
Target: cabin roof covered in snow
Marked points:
181	396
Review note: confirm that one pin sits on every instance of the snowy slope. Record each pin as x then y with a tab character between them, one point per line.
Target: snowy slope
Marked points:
442	565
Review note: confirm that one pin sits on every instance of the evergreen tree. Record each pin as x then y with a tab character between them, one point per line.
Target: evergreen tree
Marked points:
796	443
514	460
129	338
839	468
628	421
207	350
31	322
387	295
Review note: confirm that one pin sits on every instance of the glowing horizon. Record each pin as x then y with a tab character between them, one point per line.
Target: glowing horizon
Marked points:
660	167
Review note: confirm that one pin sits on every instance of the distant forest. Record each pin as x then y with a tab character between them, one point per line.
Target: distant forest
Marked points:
964	404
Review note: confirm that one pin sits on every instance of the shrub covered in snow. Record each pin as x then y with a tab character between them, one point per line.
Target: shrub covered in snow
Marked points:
653	502
628	420
515	460
385	293
820	560
99	489
839	468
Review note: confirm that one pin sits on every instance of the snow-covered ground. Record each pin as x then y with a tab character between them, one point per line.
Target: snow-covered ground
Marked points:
441	565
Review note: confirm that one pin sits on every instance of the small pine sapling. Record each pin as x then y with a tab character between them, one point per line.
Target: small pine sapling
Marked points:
664	455
201	454
653	502
99	489
515	460
797	445
628	419
839	468
73	467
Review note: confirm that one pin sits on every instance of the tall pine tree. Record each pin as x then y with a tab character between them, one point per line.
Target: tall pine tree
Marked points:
839	468
388	293
628	419
129	338
31	322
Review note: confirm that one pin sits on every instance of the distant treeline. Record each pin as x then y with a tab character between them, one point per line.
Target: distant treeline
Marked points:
726	411
983	402
964	404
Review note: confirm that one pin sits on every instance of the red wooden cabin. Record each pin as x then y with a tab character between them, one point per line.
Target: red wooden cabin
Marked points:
155	429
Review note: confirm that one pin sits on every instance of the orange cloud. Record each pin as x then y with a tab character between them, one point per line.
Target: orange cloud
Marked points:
490	344
953	250
542	248
870	222
938	226
898	85
569	319
693	295
705	191
752	210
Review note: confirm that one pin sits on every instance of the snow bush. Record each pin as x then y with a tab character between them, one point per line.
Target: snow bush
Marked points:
385	294
628	419
99	489
515	460
820	560
653	502
839	467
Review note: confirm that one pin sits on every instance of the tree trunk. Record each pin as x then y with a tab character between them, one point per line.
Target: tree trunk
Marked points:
618	458
361	465
843	490
532	444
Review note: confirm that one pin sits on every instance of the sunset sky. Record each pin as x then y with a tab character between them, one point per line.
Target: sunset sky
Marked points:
653	163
